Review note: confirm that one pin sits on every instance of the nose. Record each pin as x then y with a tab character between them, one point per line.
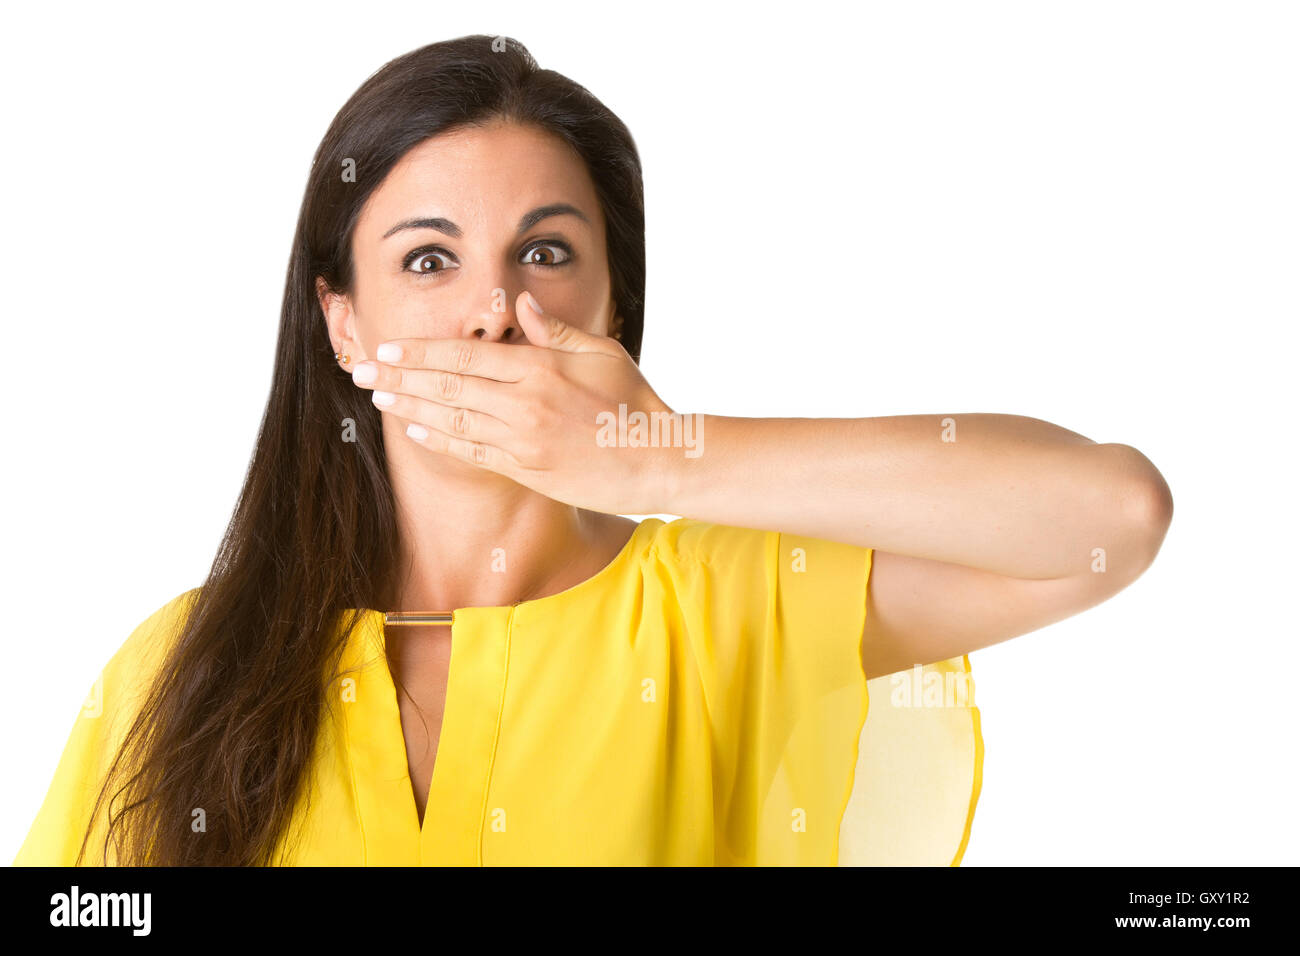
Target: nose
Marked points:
492	325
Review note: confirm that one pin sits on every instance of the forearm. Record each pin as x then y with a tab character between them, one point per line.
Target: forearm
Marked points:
1003	493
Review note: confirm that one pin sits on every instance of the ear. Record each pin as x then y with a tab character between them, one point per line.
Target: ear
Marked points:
339	321
614	321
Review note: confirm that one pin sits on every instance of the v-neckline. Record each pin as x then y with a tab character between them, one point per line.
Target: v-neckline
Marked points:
456	800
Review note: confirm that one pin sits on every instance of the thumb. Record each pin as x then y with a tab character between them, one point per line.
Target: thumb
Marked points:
549	331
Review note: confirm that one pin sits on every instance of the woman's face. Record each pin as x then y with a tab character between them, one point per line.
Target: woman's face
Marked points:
463	224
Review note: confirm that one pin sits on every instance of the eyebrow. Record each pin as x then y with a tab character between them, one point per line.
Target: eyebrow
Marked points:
529	220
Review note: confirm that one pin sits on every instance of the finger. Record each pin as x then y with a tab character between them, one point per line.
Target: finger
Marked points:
463	423
445	388
482	454
552	332
492	360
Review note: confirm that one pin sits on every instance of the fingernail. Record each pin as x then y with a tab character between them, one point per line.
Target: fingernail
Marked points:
533	302
418	432
388	352
365	373
383	398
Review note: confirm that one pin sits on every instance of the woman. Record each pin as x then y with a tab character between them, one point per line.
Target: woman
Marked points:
777	678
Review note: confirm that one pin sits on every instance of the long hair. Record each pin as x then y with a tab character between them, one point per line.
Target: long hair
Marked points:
230	721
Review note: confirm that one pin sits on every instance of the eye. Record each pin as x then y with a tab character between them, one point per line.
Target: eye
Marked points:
540	254
426	260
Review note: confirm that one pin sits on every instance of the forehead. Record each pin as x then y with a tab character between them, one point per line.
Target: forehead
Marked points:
483	179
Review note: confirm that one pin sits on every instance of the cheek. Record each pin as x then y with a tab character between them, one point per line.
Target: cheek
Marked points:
584	303
389	305
402	310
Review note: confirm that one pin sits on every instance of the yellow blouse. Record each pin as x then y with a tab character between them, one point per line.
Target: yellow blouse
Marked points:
699	701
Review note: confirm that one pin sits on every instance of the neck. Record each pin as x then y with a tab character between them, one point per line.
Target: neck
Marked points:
473	538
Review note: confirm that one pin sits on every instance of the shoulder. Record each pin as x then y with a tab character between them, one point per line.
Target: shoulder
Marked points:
727	547
56	834
144	649
687	539
734	579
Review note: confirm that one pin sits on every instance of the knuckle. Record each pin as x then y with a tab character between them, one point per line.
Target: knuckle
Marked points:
530	452
460	421
448	384
462	356
549	367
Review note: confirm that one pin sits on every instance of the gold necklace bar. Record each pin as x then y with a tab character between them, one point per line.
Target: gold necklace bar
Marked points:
399	618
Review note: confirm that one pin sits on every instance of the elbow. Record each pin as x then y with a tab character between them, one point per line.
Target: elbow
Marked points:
1148	504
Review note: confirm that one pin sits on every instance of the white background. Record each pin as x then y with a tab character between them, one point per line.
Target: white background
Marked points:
1085	213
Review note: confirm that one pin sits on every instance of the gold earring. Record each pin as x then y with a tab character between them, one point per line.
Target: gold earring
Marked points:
340	357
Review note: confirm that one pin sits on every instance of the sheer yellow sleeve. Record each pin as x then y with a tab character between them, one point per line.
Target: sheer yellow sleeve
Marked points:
815	765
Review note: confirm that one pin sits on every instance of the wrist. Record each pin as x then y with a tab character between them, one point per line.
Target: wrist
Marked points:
679	462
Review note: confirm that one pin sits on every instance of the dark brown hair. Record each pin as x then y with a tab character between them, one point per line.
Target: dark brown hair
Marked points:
230	722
